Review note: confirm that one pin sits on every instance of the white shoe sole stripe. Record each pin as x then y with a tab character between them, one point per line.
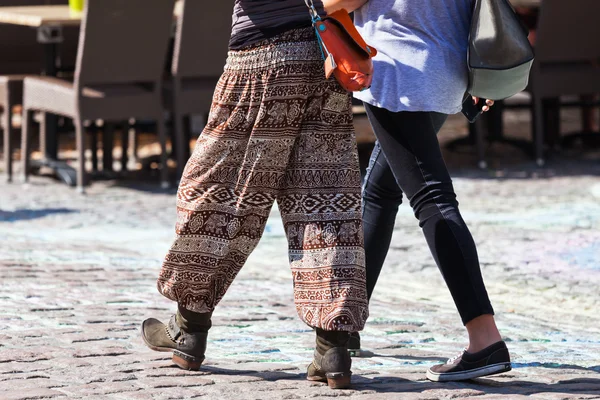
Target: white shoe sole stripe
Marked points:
464	375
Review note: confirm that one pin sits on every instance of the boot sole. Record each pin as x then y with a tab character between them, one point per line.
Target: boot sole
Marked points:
335	380
185	361
471	374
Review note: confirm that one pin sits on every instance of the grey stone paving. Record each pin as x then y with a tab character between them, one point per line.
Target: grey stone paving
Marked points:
78	276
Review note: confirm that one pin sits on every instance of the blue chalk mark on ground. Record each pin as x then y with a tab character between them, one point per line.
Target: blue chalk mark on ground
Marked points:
587	257
264	351
595	368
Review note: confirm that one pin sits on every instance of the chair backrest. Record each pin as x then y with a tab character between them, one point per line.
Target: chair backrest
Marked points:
568	31
203	32
123	41
20	53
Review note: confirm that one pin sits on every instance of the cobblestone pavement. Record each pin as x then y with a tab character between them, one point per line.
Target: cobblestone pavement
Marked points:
78	276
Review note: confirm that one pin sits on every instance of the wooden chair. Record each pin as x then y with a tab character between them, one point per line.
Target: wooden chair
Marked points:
200	53
567	49
118	73
21	55
567	57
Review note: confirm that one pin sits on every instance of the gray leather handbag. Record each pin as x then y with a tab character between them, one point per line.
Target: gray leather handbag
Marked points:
500	55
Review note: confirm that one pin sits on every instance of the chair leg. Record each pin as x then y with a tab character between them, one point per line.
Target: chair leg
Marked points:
479	133
26	127
107	146
80	144
180	141
538	126
495	122
43	123
162	137
125	147
551	113
133	144
588	119
187	134
94	148
8	141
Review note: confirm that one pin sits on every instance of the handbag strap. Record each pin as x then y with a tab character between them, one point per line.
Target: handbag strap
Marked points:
314	14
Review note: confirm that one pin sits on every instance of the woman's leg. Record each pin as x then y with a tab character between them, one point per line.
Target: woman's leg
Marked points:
320	208
411	149
319	202
381	198
219	220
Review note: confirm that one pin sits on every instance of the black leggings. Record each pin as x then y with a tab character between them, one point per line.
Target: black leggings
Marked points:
407	159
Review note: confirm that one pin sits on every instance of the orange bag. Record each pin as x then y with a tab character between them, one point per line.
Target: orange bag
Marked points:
347	56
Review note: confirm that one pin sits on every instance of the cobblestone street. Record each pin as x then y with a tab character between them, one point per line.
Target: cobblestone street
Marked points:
77	277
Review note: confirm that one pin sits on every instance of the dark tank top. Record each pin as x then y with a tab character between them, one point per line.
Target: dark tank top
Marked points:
256	20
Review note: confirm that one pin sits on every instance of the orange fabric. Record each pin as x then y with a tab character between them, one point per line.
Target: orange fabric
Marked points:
344	19
348	57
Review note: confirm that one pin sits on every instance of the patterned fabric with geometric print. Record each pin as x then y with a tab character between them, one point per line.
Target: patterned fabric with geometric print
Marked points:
277	131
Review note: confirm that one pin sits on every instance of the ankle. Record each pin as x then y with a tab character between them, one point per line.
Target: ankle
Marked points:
482	333
482	343
193	322
327	340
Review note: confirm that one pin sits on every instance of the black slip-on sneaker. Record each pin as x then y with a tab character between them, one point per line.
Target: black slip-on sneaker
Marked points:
489	361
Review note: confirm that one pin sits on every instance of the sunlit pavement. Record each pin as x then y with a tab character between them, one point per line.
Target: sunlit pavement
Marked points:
78	277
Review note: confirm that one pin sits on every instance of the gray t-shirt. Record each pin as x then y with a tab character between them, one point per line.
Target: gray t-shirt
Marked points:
256	20
421	63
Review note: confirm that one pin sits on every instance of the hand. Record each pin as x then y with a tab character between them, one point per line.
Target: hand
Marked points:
350	5
488	103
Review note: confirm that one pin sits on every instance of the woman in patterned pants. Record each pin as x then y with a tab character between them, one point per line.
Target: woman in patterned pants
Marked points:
277	131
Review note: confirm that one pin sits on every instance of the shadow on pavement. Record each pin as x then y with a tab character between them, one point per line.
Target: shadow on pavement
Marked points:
579	386
27	214
392	384
384	384
265	375
370	354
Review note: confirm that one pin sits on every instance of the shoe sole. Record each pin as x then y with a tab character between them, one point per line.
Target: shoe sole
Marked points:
185	361
471	374
335	380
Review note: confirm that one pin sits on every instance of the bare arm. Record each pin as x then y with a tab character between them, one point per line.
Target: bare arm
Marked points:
350	5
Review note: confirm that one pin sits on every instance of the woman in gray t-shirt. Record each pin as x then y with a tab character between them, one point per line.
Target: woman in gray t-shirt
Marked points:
420	77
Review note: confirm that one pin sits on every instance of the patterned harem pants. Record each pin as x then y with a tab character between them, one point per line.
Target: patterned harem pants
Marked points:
277	131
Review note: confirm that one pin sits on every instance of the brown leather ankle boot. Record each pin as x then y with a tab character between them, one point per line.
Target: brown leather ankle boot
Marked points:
185	335
331	361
